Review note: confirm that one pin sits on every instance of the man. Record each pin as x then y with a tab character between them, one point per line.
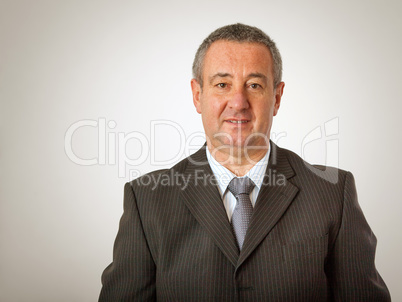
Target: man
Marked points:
242	219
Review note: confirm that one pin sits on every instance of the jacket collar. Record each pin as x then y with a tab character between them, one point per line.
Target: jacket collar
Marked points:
204	201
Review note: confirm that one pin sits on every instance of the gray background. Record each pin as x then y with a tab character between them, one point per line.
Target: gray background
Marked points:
62	62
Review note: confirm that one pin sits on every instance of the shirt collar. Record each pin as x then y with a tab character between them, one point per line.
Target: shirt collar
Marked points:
224	176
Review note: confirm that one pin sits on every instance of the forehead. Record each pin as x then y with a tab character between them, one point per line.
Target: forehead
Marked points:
237	58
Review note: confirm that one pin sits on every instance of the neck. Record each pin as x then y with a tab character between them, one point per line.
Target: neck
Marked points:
238	160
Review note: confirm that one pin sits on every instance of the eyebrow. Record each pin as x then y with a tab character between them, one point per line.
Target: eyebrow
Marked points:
224	75
219	75
257	75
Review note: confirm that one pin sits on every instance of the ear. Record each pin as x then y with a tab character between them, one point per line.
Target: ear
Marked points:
196	89
278	96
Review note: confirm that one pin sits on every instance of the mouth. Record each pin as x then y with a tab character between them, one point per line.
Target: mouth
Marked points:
237	121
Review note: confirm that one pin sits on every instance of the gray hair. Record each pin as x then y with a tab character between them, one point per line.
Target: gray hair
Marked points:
240	33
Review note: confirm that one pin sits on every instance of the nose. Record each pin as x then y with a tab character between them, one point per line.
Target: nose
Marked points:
238	100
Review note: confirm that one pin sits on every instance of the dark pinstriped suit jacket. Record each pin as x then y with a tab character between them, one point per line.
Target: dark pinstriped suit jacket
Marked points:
307	241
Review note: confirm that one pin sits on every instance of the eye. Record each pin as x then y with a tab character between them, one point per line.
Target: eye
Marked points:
255	86
222	85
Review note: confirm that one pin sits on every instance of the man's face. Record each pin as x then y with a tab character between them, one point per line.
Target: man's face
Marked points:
238	99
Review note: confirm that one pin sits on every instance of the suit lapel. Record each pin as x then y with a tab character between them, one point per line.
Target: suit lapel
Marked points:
275	196
205	203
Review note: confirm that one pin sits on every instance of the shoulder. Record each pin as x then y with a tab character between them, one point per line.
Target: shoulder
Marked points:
314	175
159	180
323	187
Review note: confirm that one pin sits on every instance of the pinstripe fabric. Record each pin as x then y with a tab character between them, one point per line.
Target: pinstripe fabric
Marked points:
307	239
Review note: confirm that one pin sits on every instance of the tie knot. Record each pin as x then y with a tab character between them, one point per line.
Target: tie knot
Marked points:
242	185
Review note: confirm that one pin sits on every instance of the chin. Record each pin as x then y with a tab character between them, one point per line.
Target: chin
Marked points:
237	145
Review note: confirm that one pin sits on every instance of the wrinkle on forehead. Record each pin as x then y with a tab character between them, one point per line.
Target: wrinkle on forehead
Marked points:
238	59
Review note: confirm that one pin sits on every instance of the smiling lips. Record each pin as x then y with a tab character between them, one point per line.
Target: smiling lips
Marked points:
237	121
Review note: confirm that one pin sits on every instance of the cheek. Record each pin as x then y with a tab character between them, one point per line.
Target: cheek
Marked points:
264	112
213	107
263	109
208	114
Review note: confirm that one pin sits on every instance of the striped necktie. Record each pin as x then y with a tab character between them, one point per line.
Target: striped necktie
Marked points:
241	188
